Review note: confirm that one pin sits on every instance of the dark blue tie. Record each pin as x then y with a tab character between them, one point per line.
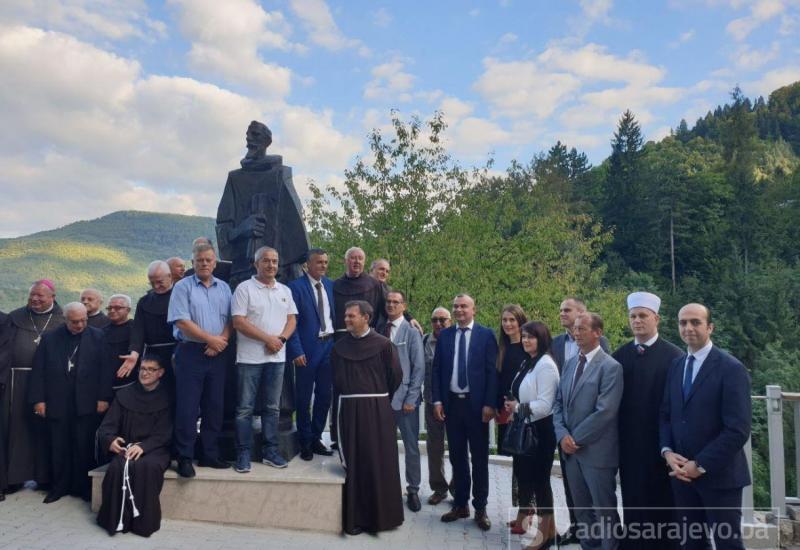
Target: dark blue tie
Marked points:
462	359
687	377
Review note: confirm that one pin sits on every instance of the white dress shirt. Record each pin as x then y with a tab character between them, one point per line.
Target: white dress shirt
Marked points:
454	377
699	358
326	314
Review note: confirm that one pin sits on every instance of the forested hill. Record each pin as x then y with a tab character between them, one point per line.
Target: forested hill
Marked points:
110	253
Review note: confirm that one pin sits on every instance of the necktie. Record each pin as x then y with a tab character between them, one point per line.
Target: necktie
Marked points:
462	359
320	308
579	372
640	349
687	377
387	330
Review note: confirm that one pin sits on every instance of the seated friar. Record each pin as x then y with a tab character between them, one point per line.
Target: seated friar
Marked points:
136	432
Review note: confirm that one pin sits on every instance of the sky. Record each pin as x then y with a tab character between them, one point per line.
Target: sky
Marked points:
143	105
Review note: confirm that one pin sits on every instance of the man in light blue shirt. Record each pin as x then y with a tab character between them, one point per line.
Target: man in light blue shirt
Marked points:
199	310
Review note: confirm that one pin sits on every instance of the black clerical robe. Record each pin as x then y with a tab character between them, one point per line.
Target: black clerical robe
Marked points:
366	372
99	320
151	334
363	287
27	442
644	477
118	338
5	352
70	376
143	417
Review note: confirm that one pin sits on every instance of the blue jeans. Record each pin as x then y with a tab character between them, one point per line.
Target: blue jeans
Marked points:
264	381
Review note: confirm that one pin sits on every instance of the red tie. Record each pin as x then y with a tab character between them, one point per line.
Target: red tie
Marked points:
387	331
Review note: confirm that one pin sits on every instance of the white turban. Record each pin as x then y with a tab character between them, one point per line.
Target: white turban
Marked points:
644	299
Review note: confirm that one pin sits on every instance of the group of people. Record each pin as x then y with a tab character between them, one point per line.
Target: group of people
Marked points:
672	423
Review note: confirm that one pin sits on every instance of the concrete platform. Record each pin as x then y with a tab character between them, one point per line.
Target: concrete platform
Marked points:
305	495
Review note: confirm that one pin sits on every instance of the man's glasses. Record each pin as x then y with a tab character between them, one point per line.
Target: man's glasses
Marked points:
149	370
441	320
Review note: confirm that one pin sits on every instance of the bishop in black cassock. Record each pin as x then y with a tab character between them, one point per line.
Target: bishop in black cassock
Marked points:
139	417
366	372
644	476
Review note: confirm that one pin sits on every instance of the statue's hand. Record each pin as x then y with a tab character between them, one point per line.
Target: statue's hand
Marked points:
253	225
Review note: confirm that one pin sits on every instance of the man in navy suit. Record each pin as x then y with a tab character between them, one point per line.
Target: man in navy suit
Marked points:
310	349
705	423
464	383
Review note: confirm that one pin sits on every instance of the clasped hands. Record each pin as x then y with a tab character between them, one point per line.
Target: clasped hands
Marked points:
118	447
487	413
681	468
216	345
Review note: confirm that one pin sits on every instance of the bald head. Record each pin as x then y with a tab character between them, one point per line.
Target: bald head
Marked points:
92	299
177	268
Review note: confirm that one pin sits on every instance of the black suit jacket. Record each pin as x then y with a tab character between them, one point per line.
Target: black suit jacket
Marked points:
49	383
557	349
712	425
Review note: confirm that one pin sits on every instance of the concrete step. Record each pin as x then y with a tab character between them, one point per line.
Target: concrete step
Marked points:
305	495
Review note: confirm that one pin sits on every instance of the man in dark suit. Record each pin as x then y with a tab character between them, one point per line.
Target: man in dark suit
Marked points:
71	388
705	423
585	416
310	349
563	348
464	392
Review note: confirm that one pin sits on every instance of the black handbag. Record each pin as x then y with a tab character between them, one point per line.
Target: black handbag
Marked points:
520	438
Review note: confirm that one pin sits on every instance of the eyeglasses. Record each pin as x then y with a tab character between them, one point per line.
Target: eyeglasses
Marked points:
116	308
149	370
441	320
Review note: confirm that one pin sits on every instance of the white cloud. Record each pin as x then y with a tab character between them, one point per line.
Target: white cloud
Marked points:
86	132
596	9
226	38
761	11
745	58
322	29
455	109
381	17
682	39
519	88
113	20
507	38
594	63
772	80
390	82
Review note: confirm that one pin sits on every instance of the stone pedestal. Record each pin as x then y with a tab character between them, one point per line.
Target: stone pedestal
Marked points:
306	495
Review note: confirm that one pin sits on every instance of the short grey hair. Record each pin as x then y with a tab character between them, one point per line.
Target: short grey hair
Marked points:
353	249
124	297
93	291
73	306
442	309
201	247
263	250
375	263
157	266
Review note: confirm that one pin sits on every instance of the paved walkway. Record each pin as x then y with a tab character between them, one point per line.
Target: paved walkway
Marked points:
27	523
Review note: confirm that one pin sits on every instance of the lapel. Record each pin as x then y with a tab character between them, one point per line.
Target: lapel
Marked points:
566	380
449	337
587	371
708	365
472	343
312	293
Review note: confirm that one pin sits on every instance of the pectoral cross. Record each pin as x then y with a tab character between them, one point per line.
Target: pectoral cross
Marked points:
70	365
37	340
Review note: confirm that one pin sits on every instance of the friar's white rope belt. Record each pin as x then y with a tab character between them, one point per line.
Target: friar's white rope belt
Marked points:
339	417
126	488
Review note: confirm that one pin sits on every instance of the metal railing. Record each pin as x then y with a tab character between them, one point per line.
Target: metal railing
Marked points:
777	466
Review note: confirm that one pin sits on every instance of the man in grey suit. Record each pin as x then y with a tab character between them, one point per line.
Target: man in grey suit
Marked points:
563	348
585	417
408	396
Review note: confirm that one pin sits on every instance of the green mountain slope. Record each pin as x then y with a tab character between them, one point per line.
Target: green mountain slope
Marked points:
110	253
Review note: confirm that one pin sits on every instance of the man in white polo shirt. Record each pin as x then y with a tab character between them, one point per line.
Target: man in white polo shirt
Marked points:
263	314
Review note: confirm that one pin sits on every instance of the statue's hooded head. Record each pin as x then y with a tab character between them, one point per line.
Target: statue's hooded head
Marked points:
259	137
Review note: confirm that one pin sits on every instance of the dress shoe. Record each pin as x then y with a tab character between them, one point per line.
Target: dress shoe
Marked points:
306	453
483	520
51	497
456	513
318	448
567	538
436	498
354	531
185	468
413	502
215	463
335	446
2	496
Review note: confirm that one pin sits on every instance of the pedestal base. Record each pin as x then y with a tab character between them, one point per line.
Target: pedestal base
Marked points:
306	495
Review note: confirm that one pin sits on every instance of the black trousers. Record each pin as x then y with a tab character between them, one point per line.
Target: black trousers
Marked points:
719	511
72	453
533	471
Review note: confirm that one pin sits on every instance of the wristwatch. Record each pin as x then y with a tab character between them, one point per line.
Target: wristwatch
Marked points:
282	339
700	468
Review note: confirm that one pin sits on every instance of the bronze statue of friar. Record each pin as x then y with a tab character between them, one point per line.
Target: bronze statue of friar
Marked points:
260	207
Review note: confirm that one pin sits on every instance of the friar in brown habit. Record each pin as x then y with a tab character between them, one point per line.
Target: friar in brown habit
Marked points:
136	432
366	372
